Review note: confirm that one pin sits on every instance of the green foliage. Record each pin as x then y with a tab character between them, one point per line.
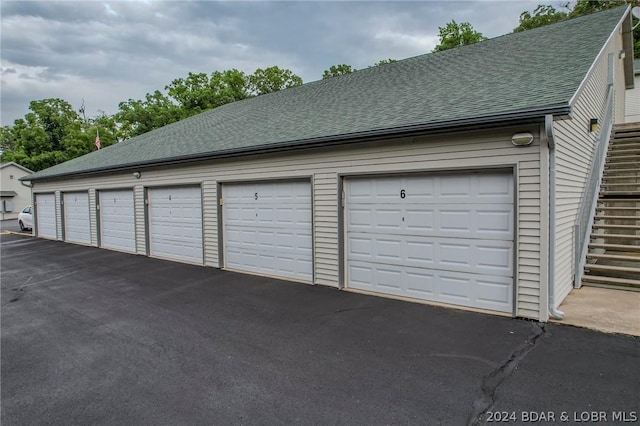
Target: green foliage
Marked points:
545	15
140	116
542	15
272	79
196	93
199	92
384	61
456	35
584	7
52	133
336	70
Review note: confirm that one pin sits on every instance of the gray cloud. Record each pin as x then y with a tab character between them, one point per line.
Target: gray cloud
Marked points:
107	52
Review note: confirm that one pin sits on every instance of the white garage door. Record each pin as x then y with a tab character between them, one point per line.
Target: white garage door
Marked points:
76	217
267	228
446	238
46	215
175	223
117	220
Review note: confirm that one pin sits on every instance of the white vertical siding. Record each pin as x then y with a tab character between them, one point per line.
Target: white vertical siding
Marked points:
210	223
574	152
491	148
139	208
632	102
93	218
58	197
325	228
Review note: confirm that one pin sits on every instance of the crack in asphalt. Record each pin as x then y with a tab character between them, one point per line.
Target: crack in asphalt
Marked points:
492	381
18	293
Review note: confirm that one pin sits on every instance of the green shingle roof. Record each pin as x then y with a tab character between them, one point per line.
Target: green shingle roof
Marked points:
530	72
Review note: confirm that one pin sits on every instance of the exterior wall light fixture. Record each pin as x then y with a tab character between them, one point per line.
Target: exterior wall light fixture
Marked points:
522	139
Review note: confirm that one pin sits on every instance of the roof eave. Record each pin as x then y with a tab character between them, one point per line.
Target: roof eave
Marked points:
474	123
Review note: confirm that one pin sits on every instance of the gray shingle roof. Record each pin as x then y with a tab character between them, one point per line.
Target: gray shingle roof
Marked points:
537	70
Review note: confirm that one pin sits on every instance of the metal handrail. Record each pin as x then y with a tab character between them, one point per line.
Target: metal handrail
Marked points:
589	201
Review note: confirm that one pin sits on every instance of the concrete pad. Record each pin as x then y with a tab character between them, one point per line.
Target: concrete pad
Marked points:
608	310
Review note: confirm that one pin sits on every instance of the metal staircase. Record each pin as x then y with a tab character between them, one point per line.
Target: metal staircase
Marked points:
613	259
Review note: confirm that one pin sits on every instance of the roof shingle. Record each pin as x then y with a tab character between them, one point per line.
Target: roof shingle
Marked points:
532	70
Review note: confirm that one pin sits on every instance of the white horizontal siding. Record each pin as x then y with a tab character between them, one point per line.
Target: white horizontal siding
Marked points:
324	166
93	218
210	223
58	196
325	228
139	208
574	152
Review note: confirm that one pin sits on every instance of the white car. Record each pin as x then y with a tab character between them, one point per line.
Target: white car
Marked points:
25	218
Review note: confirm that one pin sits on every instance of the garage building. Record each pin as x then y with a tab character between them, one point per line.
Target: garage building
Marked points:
453	177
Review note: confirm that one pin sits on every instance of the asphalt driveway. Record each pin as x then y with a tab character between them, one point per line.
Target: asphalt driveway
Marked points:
93	336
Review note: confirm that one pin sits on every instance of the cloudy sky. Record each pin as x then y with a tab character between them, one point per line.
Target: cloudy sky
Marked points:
107	52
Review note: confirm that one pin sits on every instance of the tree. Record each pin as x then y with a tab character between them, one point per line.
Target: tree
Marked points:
384	61
542	15
585	7
272	79
456	35
136	117
198	92
336	70
545	15
51	133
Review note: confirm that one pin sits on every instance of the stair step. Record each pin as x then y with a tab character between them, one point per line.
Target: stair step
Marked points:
622	141
617	165
615	236
604	268
630	134
618	175
630	126
612	217
612	281
623	151
607	226
621	257
615	247
628	209
618	159
631	194
622	184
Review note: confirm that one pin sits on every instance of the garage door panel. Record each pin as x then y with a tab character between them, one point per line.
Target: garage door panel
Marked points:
419	220
446	238
448	219
269	241
463	254
494	187
175	223
267	228
77	227
482	291
267	262
117	220
494	221
46	215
